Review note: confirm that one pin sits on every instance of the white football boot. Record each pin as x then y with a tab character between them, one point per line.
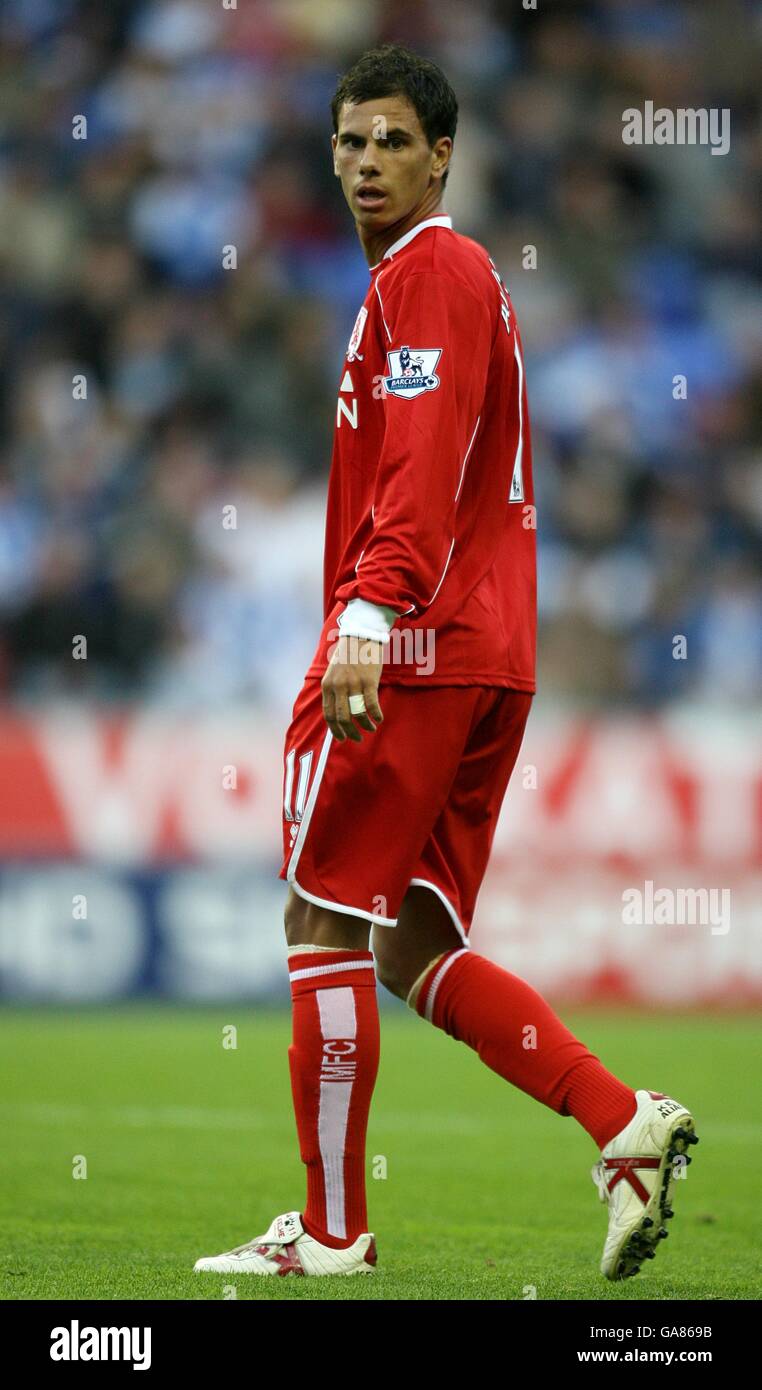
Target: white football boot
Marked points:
286	1248
636	1176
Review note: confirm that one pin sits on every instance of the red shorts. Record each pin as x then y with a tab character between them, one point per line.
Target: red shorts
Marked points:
416	802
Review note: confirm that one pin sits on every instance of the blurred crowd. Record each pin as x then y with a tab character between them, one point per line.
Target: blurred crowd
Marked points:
148	385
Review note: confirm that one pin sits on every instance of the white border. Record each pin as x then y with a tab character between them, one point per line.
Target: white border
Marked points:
442	221
335	968
341	907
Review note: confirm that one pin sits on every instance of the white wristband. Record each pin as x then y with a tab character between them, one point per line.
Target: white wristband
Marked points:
369	620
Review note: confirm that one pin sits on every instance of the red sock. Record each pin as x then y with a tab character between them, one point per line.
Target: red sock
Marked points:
492	1011
333	1061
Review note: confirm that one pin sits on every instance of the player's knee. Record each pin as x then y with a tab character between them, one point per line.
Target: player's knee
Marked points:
401	974
388	975
405	983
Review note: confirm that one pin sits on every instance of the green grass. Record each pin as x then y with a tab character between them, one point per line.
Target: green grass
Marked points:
191	1149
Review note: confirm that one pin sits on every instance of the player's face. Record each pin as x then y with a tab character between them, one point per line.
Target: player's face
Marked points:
386	165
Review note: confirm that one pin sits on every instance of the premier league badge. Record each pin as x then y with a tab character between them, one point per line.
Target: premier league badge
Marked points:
412	371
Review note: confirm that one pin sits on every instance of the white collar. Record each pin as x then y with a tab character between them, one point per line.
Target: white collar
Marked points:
403	240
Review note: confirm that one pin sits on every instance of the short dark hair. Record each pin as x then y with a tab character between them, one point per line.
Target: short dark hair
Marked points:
393	70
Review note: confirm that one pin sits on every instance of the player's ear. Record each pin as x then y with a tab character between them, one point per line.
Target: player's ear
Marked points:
334	143
442	151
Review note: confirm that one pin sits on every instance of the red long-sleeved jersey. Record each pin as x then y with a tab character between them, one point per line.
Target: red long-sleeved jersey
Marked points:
430	499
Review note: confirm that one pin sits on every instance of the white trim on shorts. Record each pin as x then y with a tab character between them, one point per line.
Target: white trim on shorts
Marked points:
425	883
342	907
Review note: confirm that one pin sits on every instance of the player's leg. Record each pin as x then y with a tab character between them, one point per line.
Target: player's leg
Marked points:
333	1056
511	1027
504	1019
333	1061
348	872
643	1134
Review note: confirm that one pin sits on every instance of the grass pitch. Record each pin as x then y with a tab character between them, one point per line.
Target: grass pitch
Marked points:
475	1190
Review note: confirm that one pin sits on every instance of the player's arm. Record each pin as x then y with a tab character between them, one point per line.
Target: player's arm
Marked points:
418	478
426	438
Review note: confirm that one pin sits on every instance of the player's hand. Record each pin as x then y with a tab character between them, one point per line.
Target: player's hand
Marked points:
354	669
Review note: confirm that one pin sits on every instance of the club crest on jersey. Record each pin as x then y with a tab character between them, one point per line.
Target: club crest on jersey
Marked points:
354	341
412	371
